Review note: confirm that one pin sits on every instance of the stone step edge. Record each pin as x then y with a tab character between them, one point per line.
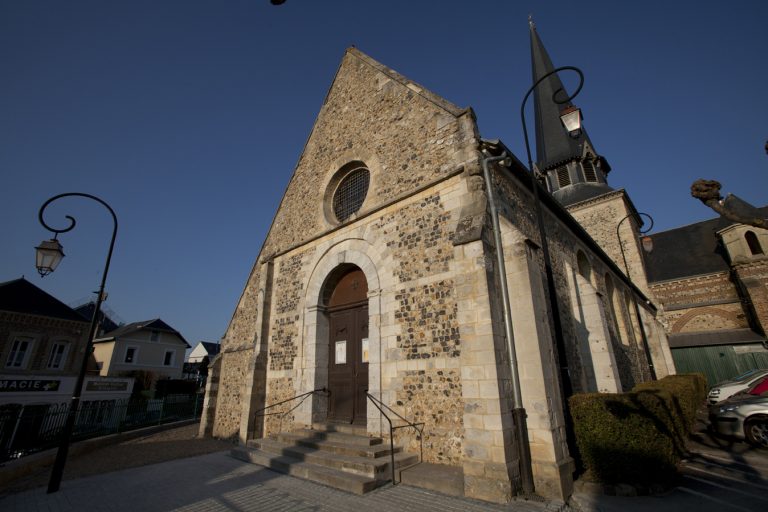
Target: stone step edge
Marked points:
369	451
349	482
337	436
365	466
346	428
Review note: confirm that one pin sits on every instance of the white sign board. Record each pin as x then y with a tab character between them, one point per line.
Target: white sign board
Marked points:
341	352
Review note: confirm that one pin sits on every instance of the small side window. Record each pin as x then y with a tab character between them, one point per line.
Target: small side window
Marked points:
130	355
753	243
168	361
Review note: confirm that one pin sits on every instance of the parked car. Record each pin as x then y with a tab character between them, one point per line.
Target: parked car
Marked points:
728	388
744	415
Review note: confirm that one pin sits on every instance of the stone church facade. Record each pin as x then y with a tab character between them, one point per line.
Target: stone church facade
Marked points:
379	274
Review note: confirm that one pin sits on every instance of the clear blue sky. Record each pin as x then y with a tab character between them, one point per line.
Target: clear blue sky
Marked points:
188	117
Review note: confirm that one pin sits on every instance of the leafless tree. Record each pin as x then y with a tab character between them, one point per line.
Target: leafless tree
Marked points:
730	207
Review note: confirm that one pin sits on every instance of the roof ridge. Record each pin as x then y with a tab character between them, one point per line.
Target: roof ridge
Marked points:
427	94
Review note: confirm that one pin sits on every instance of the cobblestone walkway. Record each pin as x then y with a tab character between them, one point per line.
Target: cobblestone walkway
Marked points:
217	482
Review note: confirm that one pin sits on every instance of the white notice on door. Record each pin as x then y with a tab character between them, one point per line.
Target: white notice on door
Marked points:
341	352
364	346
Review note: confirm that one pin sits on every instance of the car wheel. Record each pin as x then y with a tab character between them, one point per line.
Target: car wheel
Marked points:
756	431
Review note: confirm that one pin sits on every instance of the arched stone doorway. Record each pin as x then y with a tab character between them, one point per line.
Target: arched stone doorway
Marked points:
345	297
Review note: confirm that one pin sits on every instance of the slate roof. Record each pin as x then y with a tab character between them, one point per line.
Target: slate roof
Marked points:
86	311
553	144
147	325
211	348
689	250
21	296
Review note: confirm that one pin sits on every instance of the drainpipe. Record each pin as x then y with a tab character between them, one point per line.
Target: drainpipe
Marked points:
518	411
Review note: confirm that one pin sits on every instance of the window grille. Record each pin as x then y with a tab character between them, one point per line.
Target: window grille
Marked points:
351	193
563	178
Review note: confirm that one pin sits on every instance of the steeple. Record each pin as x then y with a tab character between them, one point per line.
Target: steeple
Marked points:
573	169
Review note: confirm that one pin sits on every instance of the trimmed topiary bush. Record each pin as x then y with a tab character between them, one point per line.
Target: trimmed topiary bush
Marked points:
637	437
620	437
688	391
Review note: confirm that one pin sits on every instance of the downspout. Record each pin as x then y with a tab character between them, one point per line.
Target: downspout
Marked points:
518	411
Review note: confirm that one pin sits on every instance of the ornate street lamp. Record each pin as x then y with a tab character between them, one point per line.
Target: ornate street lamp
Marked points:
646	241
647	244
570	116
49	255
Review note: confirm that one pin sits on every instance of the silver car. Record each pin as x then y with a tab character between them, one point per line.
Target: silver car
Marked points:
742	416
724	390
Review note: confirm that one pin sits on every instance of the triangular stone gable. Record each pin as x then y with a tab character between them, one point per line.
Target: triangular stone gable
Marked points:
406	135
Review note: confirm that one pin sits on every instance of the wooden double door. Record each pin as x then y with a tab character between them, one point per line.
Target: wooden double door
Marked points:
348	364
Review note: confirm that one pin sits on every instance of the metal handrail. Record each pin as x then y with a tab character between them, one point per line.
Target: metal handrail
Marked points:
379	404
303	397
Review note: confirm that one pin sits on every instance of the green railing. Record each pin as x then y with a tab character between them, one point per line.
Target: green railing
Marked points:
26	429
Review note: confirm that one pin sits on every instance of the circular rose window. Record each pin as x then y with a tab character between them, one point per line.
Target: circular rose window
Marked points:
350	193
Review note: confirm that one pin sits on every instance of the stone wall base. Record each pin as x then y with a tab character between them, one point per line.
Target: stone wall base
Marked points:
491	481
487	489
554	480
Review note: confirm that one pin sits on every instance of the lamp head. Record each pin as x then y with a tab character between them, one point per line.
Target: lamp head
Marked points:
48	256
647	244
571	119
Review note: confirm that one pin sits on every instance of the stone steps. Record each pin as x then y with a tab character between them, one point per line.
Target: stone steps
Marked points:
337	456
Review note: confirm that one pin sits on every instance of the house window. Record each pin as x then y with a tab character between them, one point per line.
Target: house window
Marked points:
131	354
563	178
753	243
58	355
20	350
168	361
154	336
350	194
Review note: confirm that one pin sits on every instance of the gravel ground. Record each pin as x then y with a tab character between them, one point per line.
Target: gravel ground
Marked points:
162	446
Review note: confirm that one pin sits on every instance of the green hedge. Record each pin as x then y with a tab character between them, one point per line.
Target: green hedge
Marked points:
637	437
688	392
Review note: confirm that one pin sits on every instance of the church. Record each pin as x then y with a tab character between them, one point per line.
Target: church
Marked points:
414	266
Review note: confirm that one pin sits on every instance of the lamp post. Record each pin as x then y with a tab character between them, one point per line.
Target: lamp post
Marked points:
647	243
571	118
49	254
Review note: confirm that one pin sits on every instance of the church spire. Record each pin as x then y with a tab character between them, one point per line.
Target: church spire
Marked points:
573	169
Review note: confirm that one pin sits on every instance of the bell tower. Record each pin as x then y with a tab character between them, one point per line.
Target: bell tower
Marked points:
576	174
573	169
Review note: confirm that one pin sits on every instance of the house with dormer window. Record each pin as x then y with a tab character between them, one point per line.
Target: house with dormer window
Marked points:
42	341
151	348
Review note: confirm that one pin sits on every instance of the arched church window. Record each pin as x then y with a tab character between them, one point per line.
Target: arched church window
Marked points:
611	300
350	193
563	178
589	169
753	243
585	269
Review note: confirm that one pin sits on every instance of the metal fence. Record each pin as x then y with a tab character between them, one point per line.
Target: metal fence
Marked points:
26	429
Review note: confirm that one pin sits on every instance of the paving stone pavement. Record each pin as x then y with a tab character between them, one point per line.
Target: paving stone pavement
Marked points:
216	483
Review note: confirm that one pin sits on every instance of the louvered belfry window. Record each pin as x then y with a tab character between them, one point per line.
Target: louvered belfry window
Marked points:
563	178
350	193
589	170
